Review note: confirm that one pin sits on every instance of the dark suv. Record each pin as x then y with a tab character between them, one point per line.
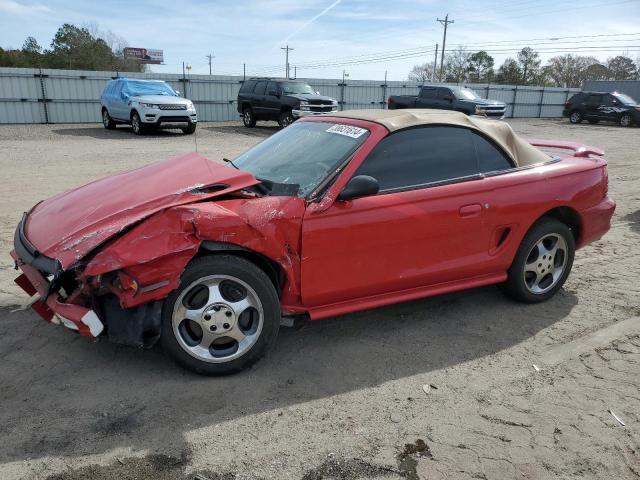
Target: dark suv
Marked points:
597	106
280	100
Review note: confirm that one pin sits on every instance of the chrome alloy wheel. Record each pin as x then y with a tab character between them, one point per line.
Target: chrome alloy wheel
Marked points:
217	318
106	121
545	264
576	117
135	123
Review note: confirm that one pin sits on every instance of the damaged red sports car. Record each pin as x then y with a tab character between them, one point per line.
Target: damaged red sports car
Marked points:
330	215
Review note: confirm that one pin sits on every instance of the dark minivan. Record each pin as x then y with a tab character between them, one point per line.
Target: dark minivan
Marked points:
280	100
602	106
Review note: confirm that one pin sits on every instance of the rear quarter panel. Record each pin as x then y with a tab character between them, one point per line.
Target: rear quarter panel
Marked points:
520	198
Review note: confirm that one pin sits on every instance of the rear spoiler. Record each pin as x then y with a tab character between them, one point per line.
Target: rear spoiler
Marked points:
579	150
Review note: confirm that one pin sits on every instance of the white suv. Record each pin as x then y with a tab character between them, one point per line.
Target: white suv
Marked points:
146	104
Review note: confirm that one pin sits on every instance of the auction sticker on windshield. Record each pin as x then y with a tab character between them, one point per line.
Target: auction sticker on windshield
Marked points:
347	130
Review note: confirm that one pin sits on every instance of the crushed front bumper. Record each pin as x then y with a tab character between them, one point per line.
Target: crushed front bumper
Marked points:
39	277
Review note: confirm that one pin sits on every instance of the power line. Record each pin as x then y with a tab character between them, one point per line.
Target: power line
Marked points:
476	46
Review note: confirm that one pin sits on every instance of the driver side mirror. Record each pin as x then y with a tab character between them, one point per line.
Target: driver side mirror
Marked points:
124	96
359	186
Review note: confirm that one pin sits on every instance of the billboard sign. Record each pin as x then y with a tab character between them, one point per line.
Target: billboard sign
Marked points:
144	55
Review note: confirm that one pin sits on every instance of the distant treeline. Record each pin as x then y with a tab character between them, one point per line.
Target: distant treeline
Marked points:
74	48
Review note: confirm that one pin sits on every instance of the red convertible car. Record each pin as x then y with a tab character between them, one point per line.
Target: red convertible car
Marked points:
330	215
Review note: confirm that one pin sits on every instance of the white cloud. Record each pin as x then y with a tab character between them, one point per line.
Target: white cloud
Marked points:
12	6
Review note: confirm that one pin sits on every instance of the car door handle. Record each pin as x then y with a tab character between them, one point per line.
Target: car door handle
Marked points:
471	210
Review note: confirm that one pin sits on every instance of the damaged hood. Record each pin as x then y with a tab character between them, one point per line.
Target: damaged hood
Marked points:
71	224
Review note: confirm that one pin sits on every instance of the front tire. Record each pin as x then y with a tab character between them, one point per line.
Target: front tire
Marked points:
190	129
285	119
136	124
542	263
575	117
625	120
223	318
248	118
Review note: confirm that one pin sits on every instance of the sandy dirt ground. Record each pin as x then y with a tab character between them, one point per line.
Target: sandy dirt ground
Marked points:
441	388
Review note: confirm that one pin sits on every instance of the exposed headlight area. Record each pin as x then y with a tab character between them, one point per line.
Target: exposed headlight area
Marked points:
304	105
149	105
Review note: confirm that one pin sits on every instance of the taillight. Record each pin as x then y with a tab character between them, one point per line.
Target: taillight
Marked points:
567	104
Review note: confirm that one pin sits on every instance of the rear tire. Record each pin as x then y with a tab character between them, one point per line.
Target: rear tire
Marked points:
542	263
575	117
136	124
190	129
107	121
248	118
223	318
625	120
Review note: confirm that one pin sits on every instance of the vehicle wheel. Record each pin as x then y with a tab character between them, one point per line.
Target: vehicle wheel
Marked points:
223	317
542	263
190	129
136	124
107	121
285	119
575	117
625	120
593	121
247	118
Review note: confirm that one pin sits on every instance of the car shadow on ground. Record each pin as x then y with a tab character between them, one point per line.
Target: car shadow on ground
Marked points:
257	131
102	133
73	397
634	220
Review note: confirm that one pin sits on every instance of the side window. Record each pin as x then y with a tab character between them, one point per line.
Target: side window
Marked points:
417	156
260	88
594	99
428	93
608	101
117	88
490	157
272	87
444	92
247	86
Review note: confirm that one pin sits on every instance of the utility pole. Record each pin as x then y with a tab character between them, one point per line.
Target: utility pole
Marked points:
445	23
295	71
286	61
435	65
210	57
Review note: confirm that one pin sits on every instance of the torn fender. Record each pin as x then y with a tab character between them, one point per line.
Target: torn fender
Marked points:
155	252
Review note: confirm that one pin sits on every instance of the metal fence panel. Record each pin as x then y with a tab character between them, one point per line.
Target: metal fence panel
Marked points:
629	87
73	96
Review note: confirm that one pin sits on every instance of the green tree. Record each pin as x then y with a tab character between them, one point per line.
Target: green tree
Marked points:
529	61
421	73
622	68
481	65
456	65
509	72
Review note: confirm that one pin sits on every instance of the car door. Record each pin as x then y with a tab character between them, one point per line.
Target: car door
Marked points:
610	108
119	105
426	98
258	99
592	106
426	226
272	100
444	98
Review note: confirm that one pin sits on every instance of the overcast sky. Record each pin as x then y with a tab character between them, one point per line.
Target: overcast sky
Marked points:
334	31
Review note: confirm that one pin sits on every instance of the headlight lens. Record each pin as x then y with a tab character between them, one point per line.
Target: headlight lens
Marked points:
303	102
189	105
149	105
334	102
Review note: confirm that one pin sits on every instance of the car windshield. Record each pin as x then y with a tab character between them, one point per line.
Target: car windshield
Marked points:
296	87
465	94
136	89
626	99
303	154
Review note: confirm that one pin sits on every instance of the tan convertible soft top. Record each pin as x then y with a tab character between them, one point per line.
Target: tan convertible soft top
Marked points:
520	150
